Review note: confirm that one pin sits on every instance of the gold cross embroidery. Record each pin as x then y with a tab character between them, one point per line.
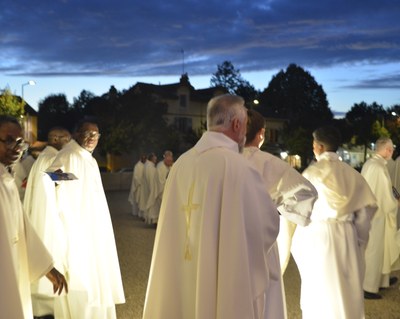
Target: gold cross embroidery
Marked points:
188	208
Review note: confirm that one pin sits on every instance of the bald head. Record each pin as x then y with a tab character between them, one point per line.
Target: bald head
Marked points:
58	137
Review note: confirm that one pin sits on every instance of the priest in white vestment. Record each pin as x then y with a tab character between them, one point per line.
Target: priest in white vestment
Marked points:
329	252
91	258
41	211
135	191
215	229
382	254
153	191
294	196
394	172
21	172
24	258
163	168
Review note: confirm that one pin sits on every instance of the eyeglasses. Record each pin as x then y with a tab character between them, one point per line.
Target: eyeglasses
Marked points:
91	134
18	144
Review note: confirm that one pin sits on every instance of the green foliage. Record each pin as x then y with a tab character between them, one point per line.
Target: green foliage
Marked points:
230	78
298	141
11	104
54	110
294	95
362	118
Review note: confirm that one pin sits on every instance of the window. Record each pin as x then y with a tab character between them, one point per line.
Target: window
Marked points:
272	136
183	124
182	100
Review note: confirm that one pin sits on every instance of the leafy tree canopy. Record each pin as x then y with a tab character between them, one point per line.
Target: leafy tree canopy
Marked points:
11	104
294	94
231	79
54	110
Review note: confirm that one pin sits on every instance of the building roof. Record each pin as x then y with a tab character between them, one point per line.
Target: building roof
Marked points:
170	91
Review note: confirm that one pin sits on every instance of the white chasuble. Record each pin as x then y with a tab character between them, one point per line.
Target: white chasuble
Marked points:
135	191
91	259
215	229
23	256
329	252
382	253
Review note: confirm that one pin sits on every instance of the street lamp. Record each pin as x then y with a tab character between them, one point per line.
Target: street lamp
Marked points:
31	82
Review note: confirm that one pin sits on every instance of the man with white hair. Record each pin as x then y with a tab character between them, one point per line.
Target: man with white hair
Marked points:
216	226
382	253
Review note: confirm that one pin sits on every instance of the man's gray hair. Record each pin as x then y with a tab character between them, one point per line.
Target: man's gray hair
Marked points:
222	109
382	142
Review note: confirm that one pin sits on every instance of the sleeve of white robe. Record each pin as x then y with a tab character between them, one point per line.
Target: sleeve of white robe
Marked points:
10	301
40	261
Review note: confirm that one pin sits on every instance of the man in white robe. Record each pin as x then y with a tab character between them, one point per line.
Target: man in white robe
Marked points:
21	172
382	254
164	166
294	196
24	258
215	229
135	191
153	190
394	172
329	252
41	212
91	258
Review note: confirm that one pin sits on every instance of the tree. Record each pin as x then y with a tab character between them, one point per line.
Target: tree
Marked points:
294	95
230	78
54	110
11	104
367	123
393	125
80	103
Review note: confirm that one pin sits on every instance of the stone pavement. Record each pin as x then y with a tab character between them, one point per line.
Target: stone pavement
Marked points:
135	243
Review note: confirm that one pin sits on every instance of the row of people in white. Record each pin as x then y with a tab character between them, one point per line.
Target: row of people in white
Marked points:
147	187
73	220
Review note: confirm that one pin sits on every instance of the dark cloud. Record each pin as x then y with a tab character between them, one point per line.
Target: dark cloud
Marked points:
387	82
139	38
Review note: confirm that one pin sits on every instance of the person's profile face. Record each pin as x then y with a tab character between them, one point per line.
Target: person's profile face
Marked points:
317	148
88	136
10	143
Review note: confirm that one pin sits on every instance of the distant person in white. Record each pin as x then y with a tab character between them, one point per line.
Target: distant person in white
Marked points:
152	190
135	191
382	254
163	168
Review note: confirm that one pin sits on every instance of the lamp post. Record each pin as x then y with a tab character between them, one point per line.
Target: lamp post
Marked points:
31	82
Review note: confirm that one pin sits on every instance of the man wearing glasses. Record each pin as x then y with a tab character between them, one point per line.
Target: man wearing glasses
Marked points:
23	255
90	259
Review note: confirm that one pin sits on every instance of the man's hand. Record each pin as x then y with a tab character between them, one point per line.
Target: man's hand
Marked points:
58	281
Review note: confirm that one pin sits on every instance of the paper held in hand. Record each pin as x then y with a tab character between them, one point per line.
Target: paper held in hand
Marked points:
61	176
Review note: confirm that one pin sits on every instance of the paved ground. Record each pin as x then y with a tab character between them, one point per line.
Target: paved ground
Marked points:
135	243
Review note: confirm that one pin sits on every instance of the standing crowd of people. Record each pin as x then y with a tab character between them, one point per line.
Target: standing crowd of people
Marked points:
228	216
147	187
61	230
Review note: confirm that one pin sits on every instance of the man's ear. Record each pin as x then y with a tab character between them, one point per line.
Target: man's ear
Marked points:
235	124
